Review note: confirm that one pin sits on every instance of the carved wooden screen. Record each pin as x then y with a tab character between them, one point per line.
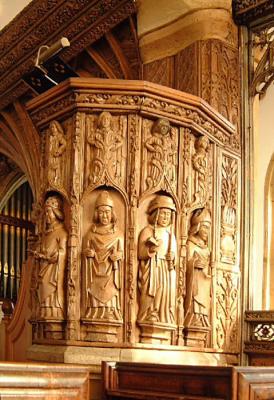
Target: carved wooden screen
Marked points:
14	226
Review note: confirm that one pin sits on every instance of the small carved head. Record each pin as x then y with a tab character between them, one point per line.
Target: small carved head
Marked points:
161	126
200	223
54	209
55	128
202	143
104	120
160	210
104	209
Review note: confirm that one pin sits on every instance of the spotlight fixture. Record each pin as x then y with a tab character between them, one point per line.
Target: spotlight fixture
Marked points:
49	69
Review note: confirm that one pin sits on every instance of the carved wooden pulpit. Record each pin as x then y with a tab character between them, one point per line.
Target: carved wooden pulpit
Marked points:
137	234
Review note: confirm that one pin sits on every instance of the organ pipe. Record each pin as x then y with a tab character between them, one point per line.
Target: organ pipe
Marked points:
14	227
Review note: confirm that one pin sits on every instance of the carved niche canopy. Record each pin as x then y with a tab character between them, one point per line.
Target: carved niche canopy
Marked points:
102	35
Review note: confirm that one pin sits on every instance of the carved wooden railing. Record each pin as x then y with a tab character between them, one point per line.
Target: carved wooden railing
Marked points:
260	343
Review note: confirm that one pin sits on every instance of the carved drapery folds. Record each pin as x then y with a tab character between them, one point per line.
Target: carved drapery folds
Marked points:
48	280
103	266
198	280
56	153
157	254
141	217
160	155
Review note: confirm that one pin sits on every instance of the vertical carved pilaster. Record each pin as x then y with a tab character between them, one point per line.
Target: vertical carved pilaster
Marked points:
185	196
226	291
133	185
74	266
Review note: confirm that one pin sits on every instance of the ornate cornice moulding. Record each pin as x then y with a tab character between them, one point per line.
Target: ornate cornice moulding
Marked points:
132	96
44	22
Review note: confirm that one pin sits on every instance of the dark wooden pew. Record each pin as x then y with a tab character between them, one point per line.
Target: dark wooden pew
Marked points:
124	380
255	383
43	381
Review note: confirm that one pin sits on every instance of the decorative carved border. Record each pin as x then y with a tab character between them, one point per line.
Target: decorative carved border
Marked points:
259	316
259	347
44	22
186	109
246	12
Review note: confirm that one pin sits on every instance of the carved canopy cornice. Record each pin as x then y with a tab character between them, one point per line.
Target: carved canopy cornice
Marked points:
129	96
248	12
43	22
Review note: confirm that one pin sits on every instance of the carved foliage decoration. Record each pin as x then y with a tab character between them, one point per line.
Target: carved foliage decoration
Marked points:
82	21
105	160
220	78
160	155
133	190
227	313
251	11
229	203
76	188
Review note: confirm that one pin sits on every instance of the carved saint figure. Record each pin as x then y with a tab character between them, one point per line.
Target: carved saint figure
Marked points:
57	146
161	153
52	261
200	165
157	251
103	253
198	279
106	143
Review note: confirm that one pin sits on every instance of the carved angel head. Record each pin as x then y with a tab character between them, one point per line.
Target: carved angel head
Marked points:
104	120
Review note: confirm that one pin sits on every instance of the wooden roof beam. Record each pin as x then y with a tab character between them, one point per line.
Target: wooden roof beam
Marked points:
125	67
102	63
